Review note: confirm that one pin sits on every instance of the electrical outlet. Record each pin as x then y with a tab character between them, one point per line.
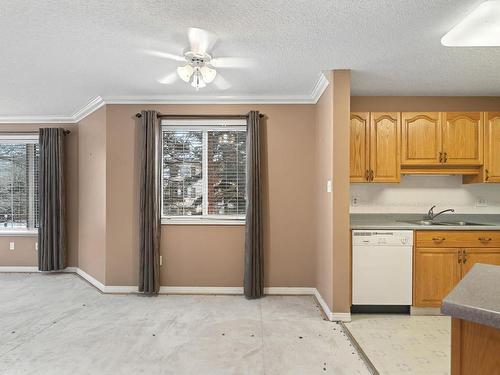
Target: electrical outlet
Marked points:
36	246
354	201
161	260
12	246
481	203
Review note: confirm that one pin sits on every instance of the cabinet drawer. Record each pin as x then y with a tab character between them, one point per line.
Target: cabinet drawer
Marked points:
457	239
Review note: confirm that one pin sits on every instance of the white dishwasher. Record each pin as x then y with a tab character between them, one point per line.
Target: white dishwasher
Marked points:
382	267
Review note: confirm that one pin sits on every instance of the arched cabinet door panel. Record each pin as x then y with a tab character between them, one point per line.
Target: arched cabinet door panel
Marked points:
421	138
492	148
385	164
358	150
462	138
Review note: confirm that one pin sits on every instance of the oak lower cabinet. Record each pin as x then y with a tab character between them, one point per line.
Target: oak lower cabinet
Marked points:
442	258
437	271
375	147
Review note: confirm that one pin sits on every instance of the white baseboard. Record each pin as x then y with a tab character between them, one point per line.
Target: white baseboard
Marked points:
289	291
331	316
341	317
91	279
323	304
202	290
18	269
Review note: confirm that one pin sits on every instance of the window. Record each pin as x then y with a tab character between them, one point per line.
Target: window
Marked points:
204	170
18	182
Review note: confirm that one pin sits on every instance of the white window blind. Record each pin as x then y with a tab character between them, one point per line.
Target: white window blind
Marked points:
18	182
204	169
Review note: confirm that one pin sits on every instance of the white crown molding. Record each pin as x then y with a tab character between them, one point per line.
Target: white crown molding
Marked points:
319	88
89	108
96	103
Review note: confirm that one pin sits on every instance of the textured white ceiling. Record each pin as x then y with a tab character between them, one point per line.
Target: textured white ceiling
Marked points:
56	55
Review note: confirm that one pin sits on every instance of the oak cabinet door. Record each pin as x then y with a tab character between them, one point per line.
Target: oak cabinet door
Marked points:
437	271
473	256
385	132
421	138
462	138
492	147
358	152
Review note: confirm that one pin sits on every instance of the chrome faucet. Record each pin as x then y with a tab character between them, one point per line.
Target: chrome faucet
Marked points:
431	215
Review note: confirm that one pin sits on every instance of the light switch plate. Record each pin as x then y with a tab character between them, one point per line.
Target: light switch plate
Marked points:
481	203
329	186
161	260
12	246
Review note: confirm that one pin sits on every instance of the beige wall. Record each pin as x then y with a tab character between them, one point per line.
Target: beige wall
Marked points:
25	253
340	222
424	103
213	255
324	207
92	197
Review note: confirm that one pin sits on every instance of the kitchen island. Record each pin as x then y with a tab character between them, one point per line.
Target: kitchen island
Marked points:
474	305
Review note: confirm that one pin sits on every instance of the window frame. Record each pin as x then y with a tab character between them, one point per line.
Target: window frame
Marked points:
21	138
205	126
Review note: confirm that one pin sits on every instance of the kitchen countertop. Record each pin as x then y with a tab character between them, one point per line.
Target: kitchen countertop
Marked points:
394	221
476	297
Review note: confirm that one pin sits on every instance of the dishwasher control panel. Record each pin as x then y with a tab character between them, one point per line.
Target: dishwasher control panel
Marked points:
389	238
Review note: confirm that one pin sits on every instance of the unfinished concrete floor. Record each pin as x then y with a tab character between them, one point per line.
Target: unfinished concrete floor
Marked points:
59	324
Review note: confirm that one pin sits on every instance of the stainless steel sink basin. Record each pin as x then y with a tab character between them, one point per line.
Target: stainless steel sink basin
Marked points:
420	222
459	223
448	223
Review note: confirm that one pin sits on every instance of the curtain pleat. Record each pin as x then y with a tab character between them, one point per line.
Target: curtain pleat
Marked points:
253	283
51	200
150	198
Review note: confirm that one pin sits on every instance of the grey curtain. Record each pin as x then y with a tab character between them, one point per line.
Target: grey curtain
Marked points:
51	200
254	263
149	236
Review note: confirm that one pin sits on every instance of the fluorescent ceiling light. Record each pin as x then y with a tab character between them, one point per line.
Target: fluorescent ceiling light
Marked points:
481	28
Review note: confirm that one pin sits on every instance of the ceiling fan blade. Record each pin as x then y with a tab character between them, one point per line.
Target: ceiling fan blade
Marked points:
232	62
201	41
221	83
169	78
164	55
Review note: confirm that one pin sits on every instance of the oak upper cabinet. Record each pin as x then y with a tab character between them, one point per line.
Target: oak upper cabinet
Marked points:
492	147
359	147
385	165
421	138
374	147
462	137
437	271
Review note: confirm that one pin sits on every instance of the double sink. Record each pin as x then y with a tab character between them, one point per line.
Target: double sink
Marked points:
443	223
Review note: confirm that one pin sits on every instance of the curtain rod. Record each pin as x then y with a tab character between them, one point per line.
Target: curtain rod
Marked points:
237	117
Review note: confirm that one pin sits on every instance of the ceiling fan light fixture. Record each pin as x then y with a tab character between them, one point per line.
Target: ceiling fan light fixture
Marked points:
197	81
185	72
208	73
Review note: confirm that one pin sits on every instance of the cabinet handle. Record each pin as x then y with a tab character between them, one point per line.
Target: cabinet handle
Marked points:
487	177
459	256
464	257
371	175
440	157
367	175
484	239
445	157
440	239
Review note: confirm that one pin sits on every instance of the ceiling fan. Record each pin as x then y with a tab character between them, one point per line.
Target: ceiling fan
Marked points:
199	66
